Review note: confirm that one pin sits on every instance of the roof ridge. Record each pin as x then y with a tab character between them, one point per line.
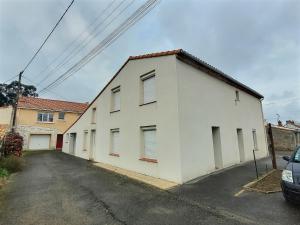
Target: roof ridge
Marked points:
56	100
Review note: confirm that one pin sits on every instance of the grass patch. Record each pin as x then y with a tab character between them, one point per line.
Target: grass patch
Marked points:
12	163
269	183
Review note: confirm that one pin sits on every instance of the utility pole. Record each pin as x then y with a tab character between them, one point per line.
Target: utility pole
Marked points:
271	146
15	107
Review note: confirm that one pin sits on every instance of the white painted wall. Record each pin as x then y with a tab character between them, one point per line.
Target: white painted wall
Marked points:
205	101
189	103
163	114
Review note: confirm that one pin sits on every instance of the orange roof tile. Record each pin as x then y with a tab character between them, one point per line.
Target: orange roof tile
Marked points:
50	104
157	54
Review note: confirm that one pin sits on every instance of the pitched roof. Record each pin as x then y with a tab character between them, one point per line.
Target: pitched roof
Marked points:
200	64
189	59
50	104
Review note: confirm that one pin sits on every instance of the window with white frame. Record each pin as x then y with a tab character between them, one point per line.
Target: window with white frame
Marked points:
116	99
61	115
45	117
94	115
115	141
254	139
149	142
85	136
148	88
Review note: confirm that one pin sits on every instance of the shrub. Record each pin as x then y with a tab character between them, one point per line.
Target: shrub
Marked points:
12	144
3	172
12	163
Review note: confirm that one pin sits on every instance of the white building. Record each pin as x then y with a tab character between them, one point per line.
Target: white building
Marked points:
171	116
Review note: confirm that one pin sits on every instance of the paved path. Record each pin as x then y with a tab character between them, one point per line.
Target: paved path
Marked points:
219	191
58	189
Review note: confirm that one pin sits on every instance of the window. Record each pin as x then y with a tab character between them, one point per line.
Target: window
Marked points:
254	139
45	117
149	143
237	96
115	142
116	99
148	88
94	115
61	115
85	136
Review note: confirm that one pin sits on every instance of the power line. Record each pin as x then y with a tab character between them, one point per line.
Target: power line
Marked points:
39	49
86	41
130	21
75	40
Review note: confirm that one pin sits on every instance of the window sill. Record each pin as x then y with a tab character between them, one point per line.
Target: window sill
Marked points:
114	154
147	103
148	160
115	111
45	122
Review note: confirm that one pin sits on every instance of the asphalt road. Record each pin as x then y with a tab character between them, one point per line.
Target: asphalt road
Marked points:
56	188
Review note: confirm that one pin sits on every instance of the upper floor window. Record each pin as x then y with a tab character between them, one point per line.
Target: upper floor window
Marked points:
45	117
94	115
61	115
116	99
148	88
237	96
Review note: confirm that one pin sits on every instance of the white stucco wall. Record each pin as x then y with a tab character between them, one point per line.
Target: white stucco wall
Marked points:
189	103
205	101
163	114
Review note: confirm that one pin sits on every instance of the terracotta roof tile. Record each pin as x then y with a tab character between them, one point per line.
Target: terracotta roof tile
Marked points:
50	104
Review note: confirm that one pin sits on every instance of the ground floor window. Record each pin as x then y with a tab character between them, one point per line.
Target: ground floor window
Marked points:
149	143
115	142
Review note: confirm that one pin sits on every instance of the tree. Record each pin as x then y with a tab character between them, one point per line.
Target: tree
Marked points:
8	92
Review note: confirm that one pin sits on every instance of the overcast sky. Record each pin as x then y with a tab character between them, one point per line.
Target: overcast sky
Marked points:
256	42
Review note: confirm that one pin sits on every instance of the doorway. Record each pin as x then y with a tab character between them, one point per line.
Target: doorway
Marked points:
59	141
240	138
72	143
217	147
92	144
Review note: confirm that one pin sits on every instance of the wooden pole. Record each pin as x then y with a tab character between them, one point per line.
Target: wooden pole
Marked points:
15	107
271	146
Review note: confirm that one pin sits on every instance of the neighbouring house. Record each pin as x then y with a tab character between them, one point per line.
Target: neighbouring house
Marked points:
171	116
285	137
42	122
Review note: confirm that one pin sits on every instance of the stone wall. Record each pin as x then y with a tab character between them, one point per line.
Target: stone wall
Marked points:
285	139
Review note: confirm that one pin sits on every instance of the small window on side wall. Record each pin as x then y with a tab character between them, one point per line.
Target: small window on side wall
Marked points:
237	96
85	136
61	115
116	99
148	88
149	145
93	115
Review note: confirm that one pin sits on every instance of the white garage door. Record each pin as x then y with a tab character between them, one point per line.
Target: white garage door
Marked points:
39	141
